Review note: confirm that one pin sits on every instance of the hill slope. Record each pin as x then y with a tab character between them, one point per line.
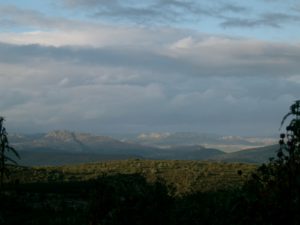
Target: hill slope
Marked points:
66	141
254	155
188	152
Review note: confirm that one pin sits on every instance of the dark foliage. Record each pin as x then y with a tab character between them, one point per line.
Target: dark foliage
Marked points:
130	199
272	195
5	149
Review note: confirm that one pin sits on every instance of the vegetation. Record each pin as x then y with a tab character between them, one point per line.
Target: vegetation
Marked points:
145	192
272	195
121	192
5	148
185	176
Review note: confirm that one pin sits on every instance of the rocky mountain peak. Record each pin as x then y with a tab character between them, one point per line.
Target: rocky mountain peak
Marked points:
62	135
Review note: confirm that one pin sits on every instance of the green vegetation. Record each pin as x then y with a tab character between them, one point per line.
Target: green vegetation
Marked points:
185	176
120	192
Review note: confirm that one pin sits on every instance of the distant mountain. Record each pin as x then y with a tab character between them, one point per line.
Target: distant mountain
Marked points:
227	143
65	147
171	139
254	155
188	152
66	141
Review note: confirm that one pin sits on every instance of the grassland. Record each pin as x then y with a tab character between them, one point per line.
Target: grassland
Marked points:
185	176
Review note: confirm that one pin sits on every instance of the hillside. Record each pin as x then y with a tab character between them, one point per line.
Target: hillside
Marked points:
253	155
67	141
46	156
188	152
53	158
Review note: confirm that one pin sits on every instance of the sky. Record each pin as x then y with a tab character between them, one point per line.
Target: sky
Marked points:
111	66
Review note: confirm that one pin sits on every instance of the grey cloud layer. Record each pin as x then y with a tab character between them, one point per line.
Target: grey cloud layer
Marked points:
183	87
275	20
230	14
192	57
157	11
152	12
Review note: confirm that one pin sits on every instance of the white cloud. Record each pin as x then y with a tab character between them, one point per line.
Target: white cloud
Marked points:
294	78
64	82
185	43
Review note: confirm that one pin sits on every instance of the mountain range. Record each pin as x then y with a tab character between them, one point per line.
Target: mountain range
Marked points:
227	143
65	147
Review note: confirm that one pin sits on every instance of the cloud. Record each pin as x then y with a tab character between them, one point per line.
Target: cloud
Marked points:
174	11
229	14
62	31
159	12
63	73
294	78
275	20
15	17
192	83
191	55
155	12
234	8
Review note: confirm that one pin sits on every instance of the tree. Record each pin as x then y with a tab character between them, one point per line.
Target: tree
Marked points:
5	149
272	195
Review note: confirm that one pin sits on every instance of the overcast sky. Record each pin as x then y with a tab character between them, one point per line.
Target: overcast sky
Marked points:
109	66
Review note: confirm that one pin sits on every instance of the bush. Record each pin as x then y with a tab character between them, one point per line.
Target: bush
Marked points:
272	195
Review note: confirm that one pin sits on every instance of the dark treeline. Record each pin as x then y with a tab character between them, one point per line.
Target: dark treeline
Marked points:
123	199
111	199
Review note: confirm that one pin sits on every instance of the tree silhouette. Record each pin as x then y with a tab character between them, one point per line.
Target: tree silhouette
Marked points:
272	195
5	148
